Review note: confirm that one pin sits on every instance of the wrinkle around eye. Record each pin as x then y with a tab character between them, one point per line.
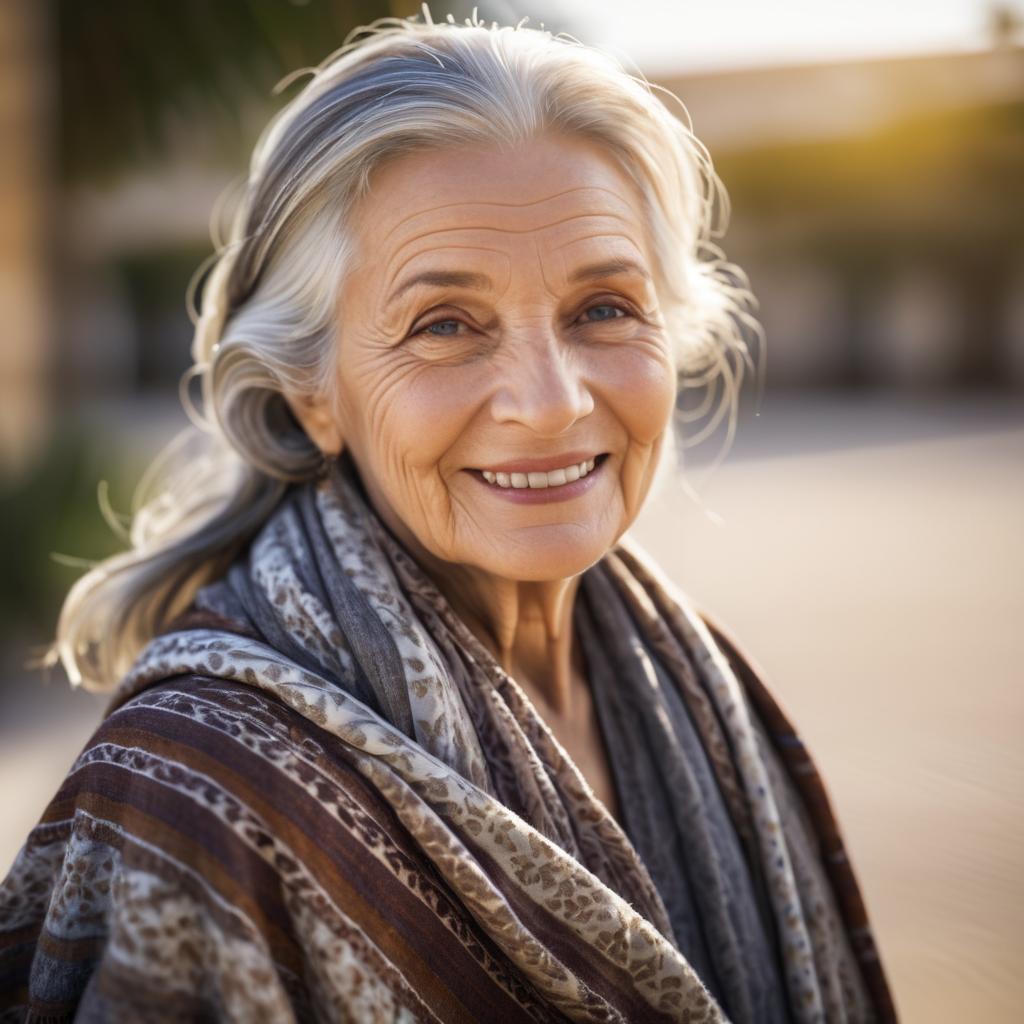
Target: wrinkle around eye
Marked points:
465	343
421	326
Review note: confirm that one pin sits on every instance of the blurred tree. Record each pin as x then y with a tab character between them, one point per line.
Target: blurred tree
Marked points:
51	513
1006	25
126	68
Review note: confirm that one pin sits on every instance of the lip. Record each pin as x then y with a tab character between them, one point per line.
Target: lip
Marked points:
545	495
542	465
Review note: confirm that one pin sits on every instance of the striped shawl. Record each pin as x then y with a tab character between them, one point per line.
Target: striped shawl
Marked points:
317	797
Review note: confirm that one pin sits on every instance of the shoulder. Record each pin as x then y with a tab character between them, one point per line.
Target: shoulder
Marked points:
259	804
218	787
206	829
218	748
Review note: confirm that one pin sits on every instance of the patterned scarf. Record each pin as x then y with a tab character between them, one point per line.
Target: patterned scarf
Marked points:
725	896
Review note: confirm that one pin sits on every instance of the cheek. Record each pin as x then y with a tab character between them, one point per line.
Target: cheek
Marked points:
638	382
640	389
404	415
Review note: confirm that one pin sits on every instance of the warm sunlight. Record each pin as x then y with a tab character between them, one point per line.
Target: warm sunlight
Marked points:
731	33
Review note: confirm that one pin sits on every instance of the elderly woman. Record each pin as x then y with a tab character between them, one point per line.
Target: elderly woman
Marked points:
404	729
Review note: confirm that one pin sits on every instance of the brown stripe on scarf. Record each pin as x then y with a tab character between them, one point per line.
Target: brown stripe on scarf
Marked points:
77	957
348	819
337	850
226	864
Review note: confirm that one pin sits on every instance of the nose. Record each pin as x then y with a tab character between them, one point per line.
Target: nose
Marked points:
543	386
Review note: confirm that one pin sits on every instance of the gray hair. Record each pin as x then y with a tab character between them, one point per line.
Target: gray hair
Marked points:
269	315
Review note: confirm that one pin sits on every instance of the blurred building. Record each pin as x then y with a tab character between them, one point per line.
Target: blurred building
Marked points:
879	211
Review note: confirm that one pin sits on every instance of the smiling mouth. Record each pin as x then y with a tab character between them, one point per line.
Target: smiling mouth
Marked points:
539	479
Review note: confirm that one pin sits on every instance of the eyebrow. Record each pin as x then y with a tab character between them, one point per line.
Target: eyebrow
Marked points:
469	279
441	279
609	268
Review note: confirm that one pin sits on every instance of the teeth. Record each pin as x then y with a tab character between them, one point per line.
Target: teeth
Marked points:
537	481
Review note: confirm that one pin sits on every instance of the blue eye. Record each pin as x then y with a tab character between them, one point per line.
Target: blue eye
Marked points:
443	328
604	313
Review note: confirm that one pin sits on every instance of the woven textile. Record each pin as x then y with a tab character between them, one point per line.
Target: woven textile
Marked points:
318	797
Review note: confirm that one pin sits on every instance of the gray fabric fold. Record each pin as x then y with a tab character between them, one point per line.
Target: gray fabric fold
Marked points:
675	816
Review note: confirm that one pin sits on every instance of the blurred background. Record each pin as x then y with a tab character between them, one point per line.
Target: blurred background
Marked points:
863	537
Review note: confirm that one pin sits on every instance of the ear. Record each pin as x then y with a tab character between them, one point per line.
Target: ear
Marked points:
317	417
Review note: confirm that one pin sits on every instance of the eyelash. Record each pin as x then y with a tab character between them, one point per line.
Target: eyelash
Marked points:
625	309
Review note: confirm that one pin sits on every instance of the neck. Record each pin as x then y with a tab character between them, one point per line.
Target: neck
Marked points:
526	626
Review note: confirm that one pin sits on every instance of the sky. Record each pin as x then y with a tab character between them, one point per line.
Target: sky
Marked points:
680	35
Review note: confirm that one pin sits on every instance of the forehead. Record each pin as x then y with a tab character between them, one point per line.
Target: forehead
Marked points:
566	190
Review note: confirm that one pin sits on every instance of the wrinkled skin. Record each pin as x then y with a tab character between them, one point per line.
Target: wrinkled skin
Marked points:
442	379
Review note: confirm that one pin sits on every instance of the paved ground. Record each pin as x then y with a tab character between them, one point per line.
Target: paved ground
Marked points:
870	556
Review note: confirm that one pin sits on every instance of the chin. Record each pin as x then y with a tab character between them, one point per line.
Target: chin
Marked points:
546	553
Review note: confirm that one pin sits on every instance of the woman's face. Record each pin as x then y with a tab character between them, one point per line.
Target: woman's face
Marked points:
505	383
